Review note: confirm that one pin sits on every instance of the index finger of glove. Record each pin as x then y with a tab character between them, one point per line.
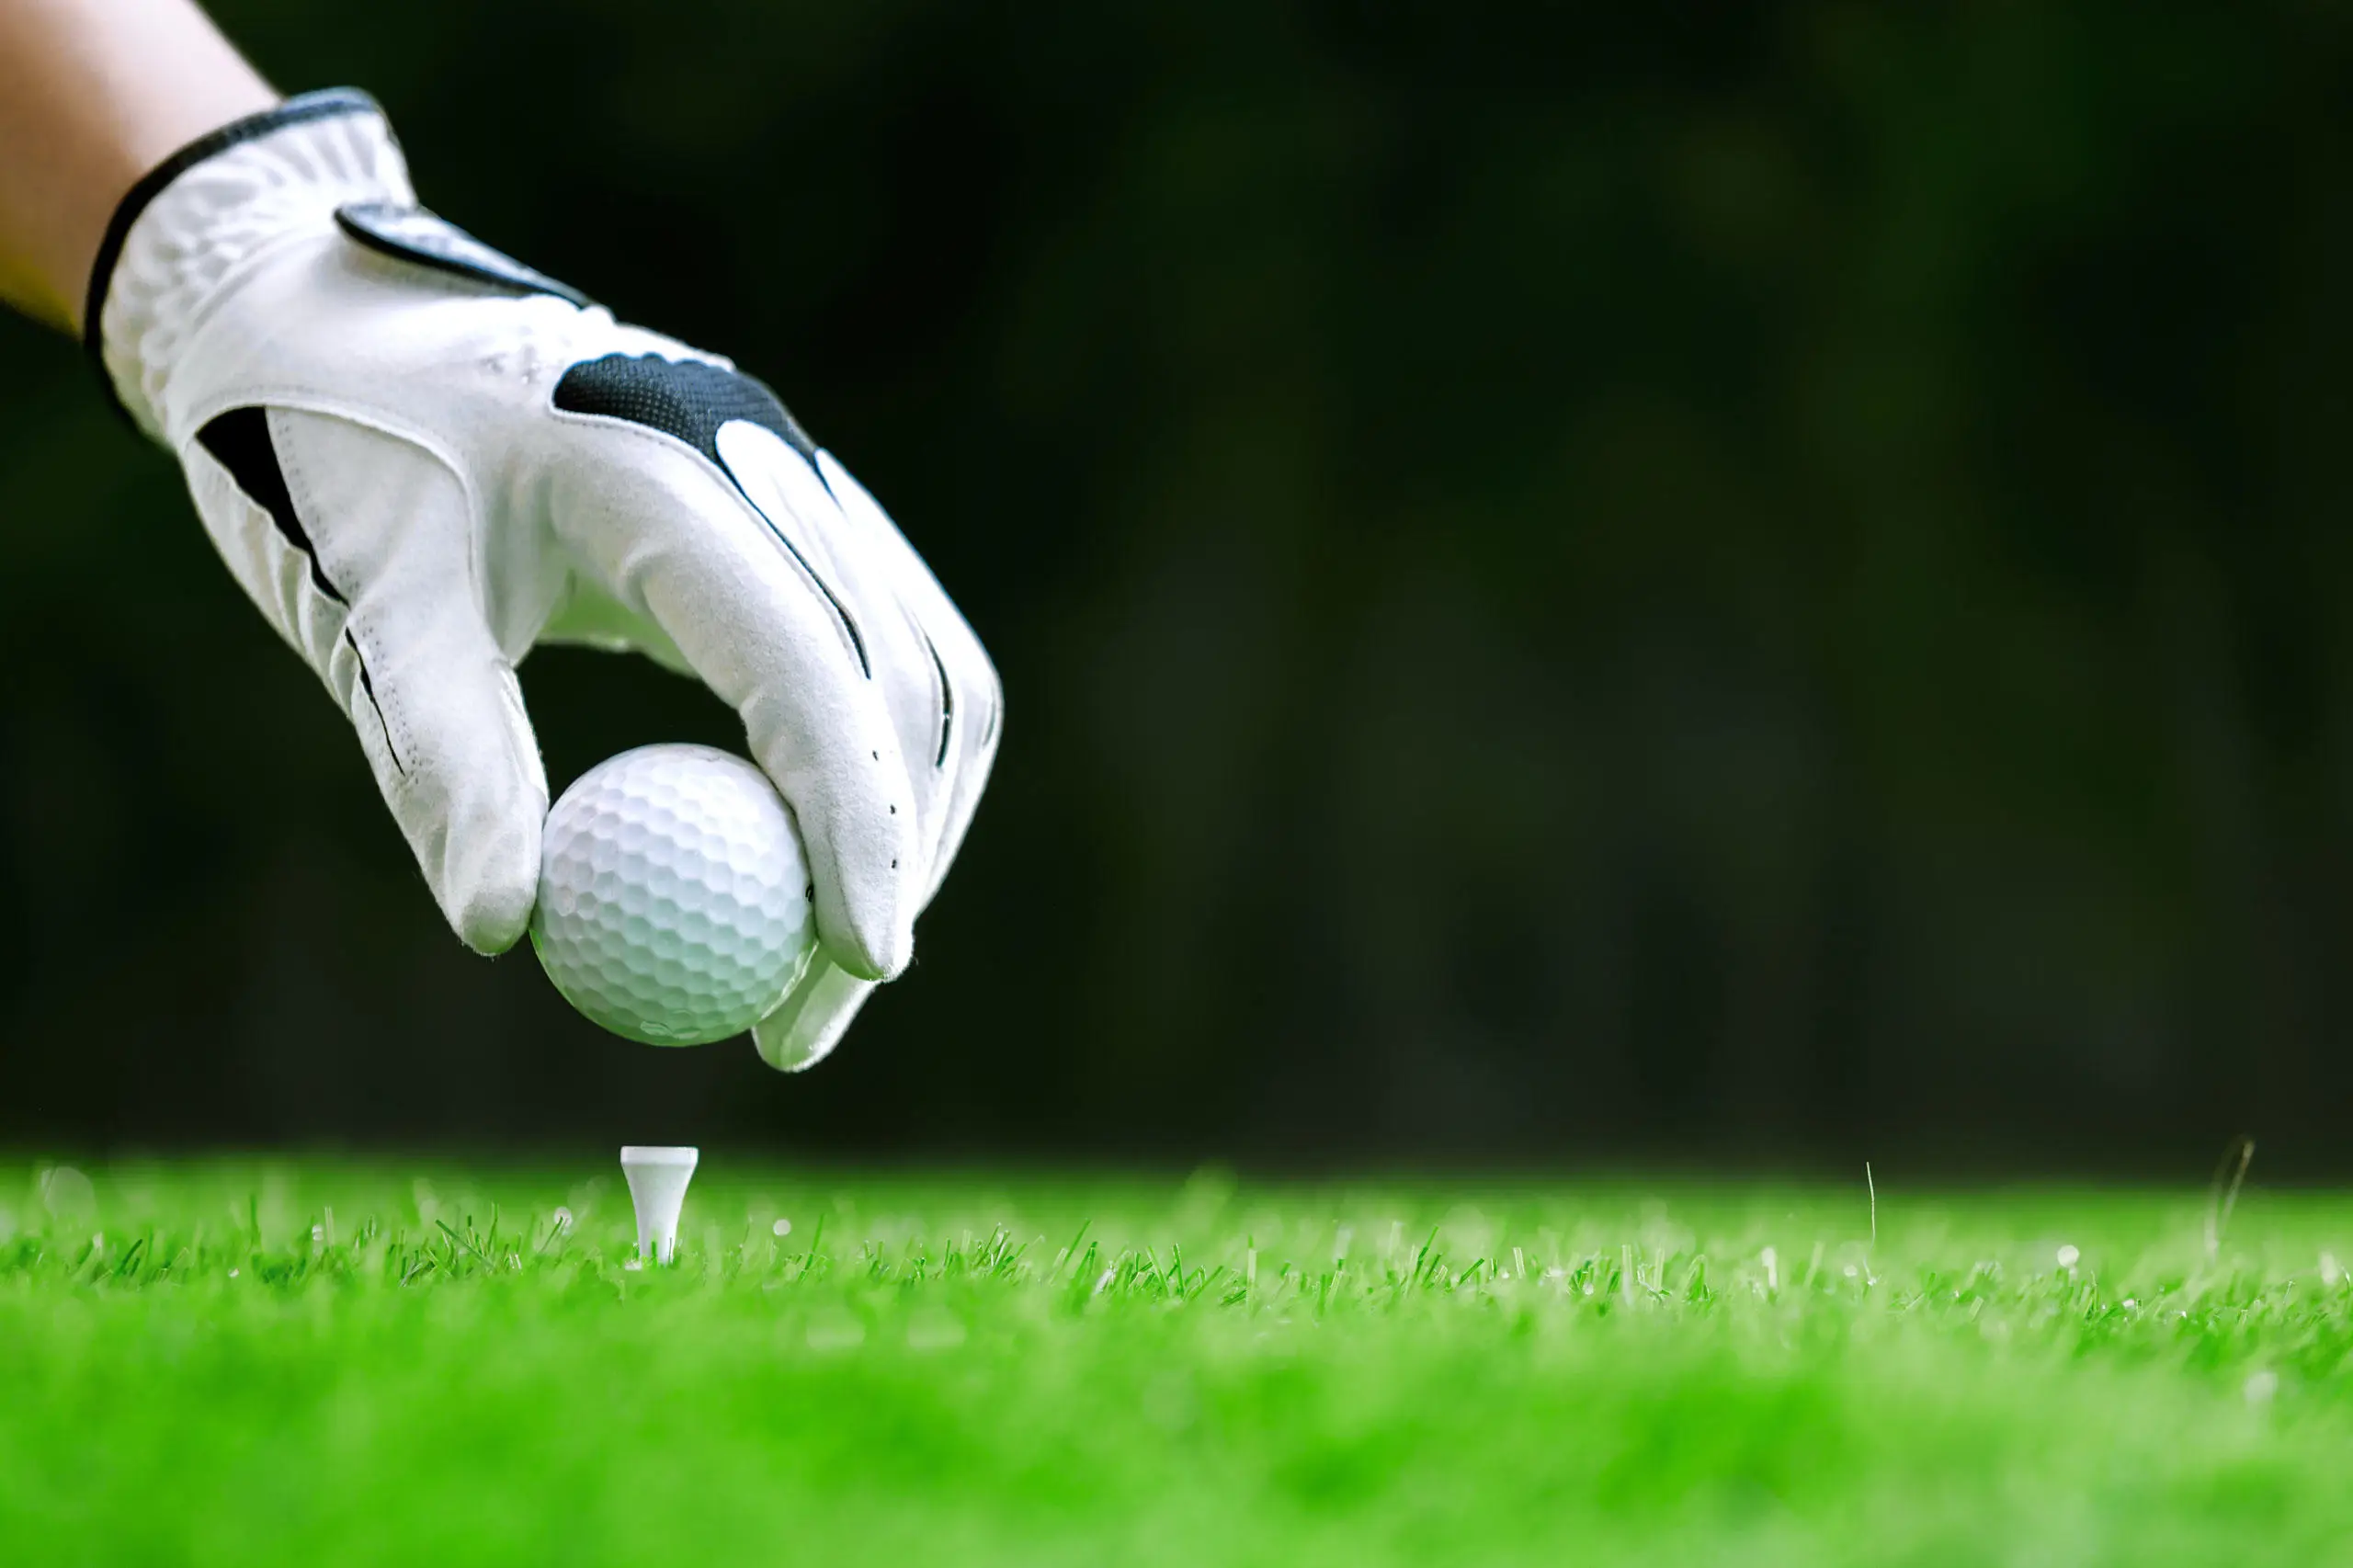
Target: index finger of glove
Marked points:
649	508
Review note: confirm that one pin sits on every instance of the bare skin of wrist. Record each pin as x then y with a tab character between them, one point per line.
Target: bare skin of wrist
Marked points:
93	95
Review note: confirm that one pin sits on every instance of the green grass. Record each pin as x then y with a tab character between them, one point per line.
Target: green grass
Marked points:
328	1363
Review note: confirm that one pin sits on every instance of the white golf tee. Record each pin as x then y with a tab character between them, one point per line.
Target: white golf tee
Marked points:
657	1187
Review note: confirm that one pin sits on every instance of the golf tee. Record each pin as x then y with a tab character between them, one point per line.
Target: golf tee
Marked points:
657	1187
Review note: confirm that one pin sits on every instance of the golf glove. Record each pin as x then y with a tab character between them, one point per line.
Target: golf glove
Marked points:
421	458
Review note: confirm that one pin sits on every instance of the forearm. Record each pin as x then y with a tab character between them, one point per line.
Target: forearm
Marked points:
93	93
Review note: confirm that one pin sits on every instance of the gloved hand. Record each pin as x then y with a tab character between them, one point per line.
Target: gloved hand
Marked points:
421	458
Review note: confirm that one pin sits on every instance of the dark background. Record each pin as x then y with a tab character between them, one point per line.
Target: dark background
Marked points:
1574	584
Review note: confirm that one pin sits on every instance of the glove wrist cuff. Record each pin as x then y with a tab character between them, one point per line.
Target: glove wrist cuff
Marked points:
198	217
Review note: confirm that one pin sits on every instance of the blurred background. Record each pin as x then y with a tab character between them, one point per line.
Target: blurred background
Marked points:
1682	584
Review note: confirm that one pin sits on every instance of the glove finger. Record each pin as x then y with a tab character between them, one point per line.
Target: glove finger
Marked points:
811	1021
788	488
972	698
388	534
645	502
961	718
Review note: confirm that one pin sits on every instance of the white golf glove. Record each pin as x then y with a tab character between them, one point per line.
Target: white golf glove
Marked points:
421	458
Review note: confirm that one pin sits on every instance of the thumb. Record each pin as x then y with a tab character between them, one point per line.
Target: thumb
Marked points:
812	1018
435	703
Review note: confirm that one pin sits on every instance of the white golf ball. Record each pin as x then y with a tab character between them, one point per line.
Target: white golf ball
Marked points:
673	896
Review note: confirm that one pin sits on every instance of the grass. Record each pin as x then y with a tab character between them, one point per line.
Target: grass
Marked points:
314	1363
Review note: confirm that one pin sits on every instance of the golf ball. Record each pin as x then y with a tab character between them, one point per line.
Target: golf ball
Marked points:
673	896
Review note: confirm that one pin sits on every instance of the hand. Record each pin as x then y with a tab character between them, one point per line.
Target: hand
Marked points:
421	458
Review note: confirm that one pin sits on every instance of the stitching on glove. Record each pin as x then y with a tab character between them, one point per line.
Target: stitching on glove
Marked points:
240	443
330	104
367	686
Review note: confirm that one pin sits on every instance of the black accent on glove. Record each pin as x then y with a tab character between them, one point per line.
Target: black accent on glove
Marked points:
328	104
685	398
688	401
947	698
427	239
240	443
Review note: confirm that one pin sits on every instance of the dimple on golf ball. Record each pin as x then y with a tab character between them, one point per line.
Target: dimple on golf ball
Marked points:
673	896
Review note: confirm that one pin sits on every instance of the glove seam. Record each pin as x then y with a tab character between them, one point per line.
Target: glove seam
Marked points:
296	397
293	465
330	104
293	398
